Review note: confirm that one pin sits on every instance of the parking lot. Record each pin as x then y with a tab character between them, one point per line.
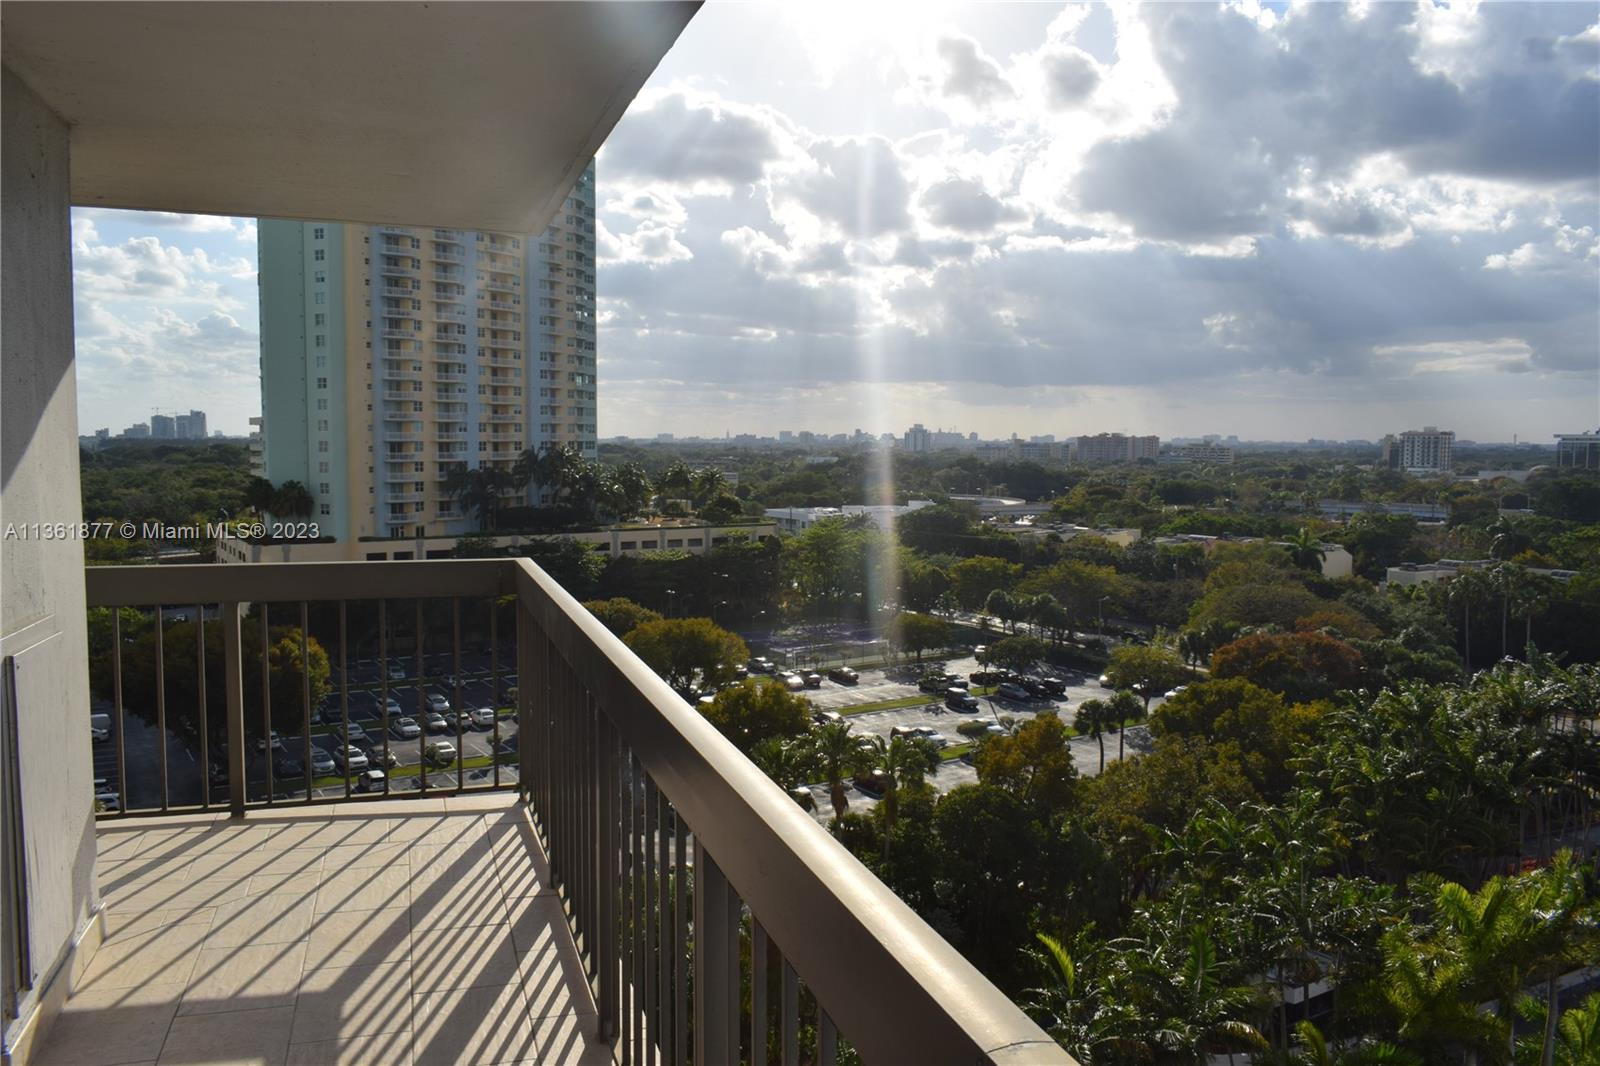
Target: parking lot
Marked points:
876	686
383	748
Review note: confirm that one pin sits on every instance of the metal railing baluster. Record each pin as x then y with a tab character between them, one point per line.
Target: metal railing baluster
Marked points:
266	695
161	706
200	687
233	702
344	684
383	692
682	907
422	707
116	705
827	1039
758	993
455	687
789	1014
305	696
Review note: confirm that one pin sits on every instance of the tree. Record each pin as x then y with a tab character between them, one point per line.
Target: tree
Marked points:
293	500
708	484
1302	666
479	491
1035	765
1020	653
688	651
1003	606
905	763
918	632
258	495
836	754
1468	589
1093	717
755	710
1124	707
1305	550
972	580
1506	540
1148	670
676	482
475	546
621	615
721	509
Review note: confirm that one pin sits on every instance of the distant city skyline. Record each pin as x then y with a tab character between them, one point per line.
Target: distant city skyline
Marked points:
1031	219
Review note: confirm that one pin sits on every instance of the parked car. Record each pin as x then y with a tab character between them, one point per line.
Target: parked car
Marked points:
1171	692
960	700
1054	686
287	766
100	727
922	732
843	675
827	717
436	722
405	728
740	672
1011	690
873	783
391	707
793	682
106	797
437	702
761	665
933	683
1105	681
1036	687
802	795
813	680
350	759
397	670
321	762
440	752
355	734
371	781
484	717
273	737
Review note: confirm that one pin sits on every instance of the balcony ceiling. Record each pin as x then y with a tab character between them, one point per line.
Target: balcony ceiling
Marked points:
470	115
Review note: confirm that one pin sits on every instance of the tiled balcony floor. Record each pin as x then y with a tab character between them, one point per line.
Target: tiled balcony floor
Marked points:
413	932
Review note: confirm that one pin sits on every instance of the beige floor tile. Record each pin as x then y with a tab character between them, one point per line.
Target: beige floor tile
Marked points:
363	890
243	1037
260	920
119	925
521	865
236	865
229	837
570	1039
300	885
111	874
387	1049
359	938
367	856
480	1026
462	958
482	801
113	1025
173	895
162	956
552	974
119	845
231	979
352	1001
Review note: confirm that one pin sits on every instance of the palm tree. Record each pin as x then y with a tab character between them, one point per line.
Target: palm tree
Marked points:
1466	588
478	491
836	755
258	495
708	484
1531	597
905	763
632	488
676	482
551	468
1506	541
1124	707
1305	550
1003	606
292	500
1094	717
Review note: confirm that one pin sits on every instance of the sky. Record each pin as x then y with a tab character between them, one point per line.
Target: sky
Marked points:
1279	222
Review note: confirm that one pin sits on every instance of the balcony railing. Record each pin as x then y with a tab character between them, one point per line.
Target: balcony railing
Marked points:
702	898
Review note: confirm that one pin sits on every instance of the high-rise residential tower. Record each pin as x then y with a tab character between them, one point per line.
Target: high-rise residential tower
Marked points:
392	355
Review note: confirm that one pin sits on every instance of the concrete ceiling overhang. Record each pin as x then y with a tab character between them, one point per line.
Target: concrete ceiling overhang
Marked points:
462	114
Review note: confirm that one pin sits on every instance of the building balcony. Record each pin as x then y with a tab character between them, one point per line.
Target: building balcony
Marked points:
498	285
441	256
400	292
401	334
394	269
526	898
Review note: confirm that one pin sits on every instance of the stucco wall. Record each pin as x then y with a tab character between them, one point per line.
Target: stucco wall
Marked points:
41	581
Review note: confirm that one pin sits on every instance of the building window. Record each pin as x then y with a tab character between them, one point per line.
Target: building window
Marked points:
322	446
322	362
322	487
319	255
321	340
318	233
322	425
320	277
320	319
322	297
322	383
322	467
322	403
323	508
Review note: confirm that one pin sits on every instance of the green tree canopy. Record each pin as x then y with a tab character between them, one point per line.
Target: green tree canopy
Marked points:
688	652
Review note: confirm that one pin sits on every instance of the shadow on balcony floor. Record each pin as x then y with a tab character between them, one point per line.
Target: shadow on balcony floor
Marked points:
412	932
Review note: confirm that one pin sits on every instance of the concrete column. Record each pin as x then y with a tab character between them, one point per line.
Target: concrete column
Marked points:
42	620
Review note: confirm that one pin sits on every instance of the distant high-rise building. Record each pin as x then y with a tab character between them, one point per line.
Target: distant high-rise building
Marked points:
1115	448
1426	449
918	439
394	356
163	427
1214	453
137	431
191	426
1579	451
102	434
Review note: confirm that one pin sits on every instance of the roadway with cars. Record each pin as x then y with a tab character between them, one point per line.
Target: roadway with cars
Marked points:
878	685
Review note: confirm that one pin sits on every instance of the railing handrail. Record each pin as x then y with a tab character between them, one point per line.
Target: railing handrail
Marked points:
893	986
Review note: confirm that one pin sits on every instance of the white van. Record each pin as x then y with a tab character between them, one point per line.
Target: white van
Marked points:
100	727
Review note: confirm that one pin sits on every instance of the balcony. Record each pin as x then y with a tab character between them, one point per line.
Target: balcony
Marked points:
450	918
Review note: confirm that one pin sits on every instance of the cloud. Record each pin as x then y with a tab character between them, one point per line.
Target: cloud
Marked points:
857	185
1071	76
685	139
963	204
970	74
650	243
